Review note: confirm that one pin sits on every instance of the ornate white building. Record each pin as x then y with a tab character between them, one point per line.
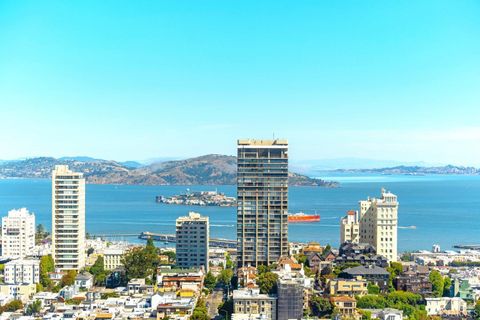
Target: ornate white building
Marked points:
379	223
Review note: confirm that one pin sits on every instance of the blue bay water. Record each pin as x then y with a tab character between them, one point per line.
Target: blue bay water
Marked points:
444	209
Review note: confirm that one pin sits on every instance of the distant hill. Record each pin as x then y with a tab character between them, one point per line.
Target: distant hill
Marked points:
314	166
204	170
417	170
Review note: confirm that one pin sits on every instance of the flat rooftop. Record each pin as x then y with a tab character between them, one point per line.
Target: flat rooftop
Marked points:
254	142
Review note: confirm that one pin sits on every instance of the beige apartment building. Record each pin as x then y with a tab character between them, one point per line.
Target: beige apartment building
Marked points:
252	302
112	258
192	241
350	227
348	287
18	233
379	223
262	201
68	218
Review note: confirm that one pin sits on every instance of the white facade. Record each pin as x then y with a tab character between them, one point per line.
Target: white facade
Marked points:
22	272
84	280
192	241
350	227
18	233
379	223
445	306
112	258
68	218
18	291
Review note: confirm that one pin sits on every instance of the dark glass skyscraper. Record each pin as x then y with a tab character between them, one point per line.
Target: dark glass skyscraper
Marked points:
262	195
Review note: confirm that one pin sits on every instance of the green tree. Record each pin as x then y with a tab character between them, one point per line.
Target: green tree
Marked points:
267	282
371	301
200	312
447	283
261	269
46	266
366	315
74	301
171	256
210	281
419	314
226	308
320	307
39	287
406	257
98	267
12	306
326	251
373	288
225	276
229	263
90	251
301	258
476	310
141	262
403	297
395	269
33	308
437	283
107	295
40	233
69	278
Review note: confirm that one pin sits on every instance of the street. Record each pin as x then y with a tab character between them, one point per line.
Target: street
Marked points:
214	300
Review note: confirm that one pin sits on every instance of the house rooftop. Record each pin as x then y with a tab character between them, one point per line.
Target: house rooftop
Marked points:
366	270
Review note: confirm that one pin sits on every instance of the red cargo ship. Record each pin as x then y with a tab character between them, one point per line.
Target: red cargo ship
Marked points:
302	217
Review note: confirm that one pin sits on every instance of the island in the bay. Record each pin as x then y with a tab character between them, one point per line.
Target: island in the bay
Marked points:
199	198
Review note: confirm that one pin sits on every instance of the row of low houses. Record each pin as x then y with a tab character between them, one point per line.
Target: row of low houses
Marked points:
174	296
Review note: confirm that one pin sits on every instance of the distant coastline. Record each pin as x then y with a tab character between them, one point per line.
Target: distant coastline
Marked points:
416	170
204	170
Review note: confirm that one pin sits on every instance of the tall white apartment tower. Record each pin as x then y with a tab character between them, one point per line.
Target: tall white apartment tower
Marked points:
192	241
379	222
350	227
68	218
18	233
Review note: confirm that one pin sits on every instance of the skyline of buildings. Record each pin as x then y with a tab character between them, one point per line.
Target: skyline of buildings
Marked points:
262	201
68	218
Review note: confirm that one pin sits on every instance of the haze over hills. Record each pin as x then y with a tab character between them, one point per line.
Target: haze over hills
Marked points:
312	167
417	170
203	170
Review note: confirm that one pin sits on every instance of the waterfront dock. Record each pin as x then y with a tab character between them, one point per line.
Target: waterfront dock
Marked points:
214	242
467	246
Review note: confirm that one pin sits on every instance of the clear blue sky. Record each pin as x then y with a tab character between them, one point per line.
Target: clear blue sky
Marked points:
143	79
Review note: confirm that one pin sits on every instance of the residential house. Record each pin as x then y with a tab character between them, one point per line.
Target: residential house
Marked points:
446	306
84	280
348	287
345	305
133	286
361	253
372	273
414	282
386	314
